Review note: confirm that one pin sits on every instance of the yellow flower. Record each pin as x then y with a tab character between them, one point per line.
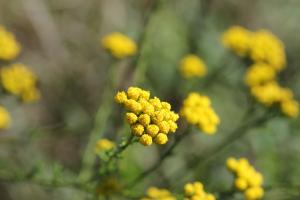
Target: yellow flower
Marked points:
4	118
9	47
20	81
192	66
266	47
290	108
119	45
197	110
238	39
104	145
150	118
195	191
154	193
259	73
247	179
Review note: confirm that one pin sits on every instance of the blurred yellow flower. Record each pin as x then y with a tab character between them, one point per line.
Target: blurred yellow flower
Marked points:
5	119
154	193
247	179
258	74
237	39
20	81
192	66
119	45
266	47
9	47
109	186
197	110
104	145
150	119
290	108
195	191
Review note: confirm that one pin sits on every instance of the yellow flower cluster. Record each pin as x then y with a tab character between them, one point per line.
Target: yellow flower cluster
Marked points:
238	39
192	66
9	47
104	145
119	45
4	118
195	191
258	74
197	110
272	93
260	46
150	119
154	193
20	81
268	54
247	179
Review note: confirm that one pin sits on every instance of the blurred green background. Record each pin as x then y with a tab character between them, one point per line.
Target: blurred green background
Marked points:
60	42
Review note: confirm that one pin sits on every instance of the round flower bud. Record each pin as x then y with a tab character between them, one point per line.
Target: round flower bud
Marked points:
241	183
231	164
133	93
189	189
137	129
133	106
152	130
146	140
121	97
144	119
164	127
161	138
131	118
173	126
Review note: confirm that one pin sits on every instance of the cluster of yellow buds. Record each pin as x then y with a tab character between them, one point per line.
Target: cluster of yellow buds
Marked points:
192	66
197	110
195	191
104	145
272	93
4	118
247	179
268	54
150	119
154	193
20	81
260	46
258	74
9	46
119	45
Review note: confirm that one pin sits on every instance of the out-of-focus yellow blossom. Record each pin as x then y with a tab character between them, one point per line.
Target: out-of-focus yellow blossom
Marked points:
192	66
9	47
247	179
5	119
197	110
272	93
109	186
238	39
290	108
104	145
258	74
20	81
266	47
195	191
119	45
154	193
150	118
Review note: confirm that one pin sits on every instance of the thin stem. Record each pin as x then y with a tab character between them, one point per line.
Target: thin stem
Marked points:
162	158
103	113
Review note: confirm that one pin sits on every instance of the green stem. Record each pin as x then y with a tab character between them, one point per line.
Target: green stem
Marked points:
101	118
162	158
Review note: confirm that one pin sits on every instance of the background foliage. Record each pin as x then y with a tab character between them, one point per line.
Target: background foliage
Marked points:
60	42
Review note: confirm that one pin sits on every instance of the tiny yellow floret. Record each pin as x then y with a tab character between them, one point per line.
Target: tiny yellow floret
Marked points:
192	66
9	47
119	45
104	145
5	119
